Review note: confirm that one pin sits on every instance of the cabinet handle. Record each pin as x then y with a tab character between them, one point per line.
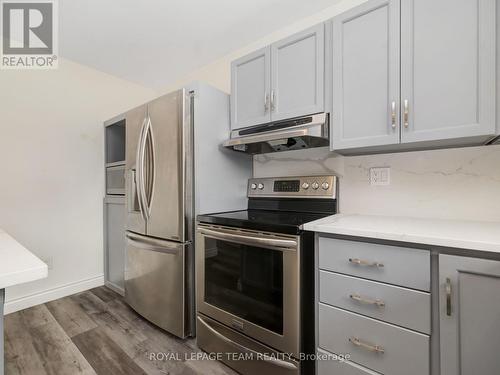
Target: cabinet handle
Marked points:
361	262
360	344
266	102
367	301
406	113
448	296
393	115
273	100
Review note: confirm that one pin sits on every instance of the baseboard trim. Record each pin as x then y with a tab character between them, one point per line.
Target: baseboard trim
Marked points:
52	294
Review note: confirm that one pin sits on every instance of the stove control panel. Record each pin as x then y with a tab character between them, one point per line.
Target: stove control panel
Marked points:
293	187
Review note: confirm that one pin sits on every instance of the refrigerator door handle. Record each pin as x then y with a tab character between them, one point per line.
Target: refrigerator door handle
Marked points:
152	244
150	167
140	169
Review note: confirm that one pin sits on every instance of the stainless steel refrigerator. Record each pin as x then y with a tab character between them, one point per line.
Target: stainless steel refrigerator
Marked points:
175	169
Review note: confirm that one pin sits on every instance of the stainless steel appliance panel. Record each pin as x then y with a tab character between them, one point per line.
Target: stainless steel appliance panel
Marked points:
115	180
168	159
155	284
214	337
250	281
135	122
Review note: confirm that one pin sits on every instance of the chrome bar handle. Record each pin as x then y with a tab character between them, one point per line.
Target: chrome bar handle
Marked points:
448	296
406	113
150	167
273	100
264	357
360	344
273	243
393	115
139	167
266	102
142	174
366	263
367	301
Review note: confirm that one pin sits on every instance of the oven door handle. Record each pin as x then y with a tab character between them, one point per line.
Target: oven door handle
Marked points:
271	243
244	349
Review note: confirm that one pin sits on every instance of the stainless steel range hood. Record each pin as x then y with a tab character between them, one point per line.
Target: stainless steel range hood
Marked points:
294	134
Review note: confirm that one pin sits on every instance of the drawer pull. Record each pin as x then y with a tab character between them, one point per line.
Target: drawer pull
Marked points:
360	344
367	301
361	262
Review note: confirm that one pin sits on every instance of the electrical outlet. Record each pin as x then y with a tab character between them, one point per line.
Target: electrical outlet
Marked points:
380	176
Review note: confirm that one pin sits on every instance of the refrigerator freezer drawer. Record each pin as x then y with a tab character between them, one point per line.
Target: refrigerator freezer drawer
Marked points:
155	282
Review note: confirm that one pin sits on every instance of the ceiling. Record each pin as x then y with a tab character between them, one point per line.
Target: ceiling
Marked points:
156	42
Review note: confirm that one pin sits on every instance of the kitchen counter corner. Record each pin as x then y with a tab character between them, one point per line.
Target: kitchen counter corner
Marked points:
17	264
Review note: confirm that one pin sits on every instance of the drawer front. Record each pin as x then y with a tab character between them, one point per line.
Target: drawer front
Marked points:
332	367
381	301
390	264
404	351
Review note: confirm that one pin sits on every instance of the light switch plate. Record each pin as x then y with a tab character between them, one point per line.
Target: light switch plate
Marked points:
380	176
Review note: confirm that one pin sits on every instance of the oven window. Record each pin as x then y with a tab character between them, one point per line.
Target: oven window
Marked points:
245	281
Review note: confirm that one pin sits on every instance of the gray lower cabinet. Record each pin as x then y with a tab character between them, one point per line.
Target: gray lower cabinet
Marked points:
383	347
374	305
366	76
114	242
469	308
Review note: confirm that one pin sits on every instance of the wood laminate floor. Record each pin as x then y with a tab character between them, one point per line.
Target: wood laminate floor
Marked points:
95	332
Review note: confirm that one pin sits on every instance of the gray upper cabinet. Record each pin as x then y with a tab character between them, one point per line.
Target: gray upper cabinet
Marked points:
297	74
365	93
284	80
447	69
469	305
410	74
251	89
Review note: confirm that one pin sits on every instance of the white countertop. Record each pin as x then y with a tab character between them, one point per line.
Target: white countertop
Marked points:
471	235
17	264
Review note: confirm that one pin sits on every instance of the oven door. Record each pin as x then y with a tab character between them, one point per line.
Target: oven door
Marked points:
250	282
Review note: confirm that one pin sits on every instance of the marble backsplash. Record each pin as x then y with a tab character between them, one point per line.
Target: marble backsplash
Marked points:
461	183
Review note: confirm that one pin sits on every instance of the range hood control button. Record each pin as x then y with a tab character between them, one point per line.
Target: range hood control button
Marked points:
305	186
253	186
325	185
315	185
261	186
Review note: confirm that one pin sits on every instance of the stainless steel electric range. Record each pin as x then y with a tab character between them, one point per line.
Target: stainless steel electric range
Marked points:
255	276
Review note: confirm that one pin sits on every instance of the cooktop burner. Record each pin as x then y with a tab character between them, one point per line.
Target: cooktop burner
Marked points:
281	205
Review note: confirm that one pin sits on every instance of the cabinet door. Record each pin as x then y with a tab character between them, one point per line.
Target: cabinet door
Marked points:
250	89
365	93
297	74
447	69
469	304
115	241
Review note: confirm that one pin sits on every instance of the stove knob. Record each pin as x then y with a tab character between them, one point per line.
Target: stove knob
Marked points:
315	185
261	186
305	185
325	185
253	186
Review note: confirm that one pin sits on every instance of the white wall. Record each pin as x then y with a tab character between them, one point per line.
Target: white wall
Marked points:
51	181
218	73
